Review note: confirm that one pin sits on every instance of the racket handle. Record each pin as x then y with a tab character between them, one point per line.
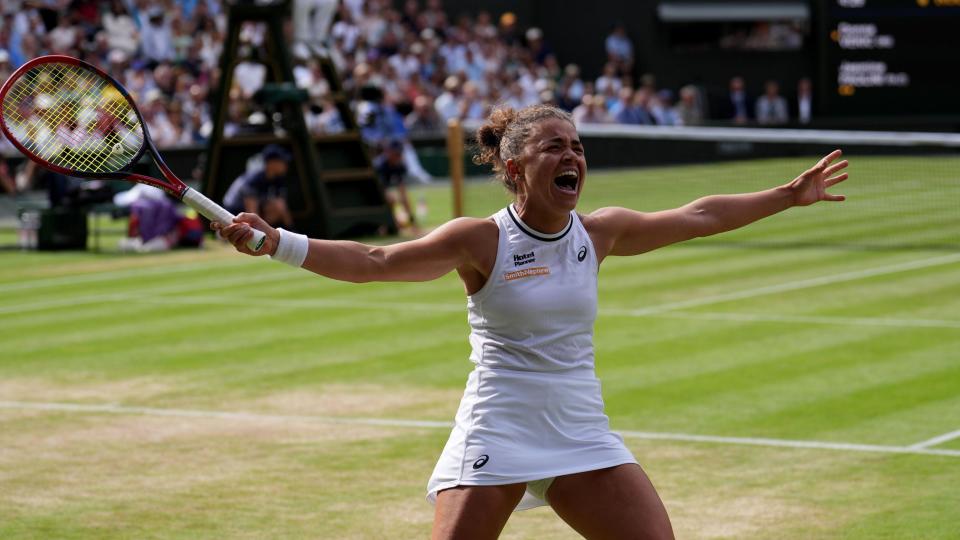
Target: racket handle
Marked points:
214	212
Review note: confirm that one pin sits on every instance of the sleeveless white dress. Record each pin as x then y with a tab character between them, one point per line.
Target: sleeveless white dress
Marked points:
532	407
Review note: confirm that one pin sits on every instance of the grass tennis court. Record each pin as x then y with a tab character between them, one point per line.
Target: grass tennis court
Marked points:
770	390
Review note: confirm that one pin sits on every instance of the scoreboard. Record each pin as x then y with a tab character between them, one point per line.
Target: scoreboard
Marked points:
890	58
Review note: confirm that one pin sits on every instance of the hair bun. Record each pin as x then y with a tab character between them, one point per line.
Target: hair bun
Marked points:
488	137
491	133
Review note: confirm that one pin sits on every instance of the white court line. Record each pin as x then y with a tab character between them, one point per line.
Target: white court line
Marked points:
110	408
939	439
787	443
113	408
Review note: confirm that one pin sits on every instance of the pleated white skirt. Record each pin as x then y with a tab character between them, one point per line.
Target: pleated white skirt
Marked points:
518	426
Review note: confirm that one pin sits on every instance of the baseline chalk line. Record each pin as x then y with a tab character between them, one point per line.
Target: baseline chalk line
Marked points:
939	439
111	408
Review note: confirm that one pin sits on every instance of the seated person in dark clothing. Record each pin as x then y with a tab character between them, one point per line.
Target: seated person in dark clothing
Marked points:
264	191
392	172
736	105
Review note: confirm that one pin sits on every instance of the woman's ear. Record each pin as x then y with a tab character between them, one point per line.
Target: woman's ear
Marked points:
513	170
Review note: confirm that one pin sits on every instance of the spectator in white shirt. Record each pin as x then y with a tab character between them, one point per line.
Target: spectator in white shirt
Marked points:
405	62
156	38
249	77
620	49
448	103
63	38
163	132
121	29
609	79
346	31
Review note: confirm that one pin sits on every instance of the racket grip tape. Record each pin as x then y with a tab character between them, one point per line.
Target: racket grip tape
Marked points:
214	212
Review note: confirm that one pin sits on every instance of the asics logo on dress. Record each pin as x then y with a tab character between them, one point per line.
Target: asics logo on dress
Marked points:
582	254
481	461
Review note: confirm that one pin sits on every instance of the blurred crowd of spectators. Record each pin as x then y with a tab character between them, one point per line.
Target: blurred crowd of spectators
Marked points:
165	53
431	70
426	68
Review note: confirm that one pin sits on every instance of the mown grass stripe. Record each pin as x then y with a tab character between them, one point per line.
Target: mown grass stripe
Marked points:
806	283
119	275
867	397
792	319
197	332
746	380
207	283
139	303
718	268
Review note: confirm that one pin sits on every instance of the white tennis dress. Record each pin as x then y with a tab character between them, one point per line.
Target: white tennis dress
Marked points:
532	407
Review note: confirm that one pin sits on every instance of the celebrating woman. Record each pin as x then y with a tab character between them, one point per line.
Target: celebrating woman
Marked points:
531	429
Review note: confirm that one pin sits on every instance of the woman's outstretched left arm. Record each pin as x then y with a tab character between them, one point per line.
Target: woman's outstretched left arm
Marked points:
619	231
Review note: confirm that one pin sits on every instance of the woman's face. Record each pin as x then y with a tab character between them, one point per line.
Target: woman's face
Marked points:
552	168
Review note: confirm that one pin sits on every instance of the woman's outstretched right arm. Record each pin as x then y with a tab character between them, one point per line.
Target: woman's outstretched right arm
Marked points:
459	243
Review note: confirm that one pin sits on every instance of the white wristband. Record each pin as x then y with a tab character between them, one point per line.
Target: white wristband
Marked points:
291	248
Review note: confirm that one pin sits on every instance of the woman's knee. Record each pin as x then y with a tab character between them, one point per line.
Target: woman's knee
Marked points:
474	512
618	502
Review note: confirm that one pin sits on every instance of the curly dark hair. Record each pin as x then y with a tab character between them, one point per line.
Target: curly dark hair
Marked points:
505	132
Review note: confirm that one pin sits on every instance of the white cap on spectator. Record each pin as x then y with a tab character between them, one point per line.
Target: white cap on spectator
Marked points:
117	56
534	34
4	56
152	95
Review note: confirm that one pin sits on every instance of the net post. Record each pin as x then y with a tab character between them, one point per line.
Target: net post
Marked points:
455	155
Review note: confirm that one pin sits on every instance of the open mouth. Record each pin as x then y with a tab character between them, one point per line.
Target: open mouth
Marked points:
567	181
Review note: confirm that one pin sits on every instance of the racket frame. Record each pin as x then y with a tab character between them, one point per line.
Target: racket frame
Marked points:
170	183
173	185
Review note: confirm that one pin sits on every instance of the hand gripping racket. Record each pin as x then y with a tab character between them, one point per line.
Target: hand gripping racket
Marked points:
74	119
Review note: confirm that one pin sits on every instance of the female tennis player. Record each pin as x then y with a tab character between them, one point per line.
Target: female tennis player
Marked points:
531	429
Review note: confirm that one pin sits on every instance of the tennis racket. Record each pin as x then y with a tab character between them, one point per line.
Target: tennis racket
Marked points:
72	118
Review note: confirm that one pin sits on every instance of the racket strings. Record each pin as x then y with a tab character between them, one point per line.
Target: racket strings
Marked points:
73	118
